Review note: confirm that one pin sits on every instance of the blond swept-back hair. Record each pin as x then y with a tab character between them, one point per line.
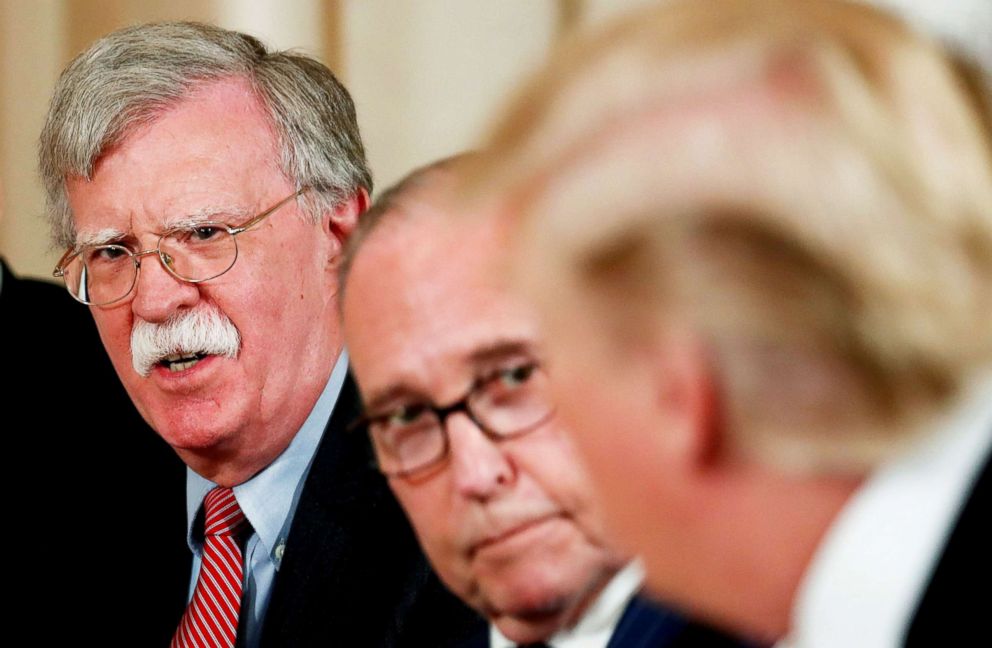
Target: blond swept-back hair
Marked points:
807	184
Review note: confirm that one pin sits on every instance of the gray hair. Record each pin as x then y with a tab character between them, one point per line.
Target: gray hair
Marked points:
126	79
389	205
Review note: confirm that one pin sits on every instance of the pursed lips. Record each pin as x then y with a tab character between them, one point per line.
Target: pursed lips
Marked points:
510	530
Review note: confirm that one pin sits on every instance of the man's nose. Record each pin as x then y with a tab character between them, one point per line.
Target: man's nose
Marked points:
480	467
158	293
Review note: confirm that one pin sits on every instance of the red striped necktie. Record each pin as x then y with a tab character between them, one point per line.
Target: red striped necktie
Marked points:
211	618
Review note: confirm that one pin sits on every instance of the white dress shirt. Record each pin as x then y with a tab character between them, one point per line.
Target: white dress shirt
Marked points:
872	568
596	626
269	502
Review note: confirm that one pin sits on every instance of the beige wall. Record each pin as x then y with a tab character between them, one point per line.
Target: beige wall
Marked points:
30	60
426	76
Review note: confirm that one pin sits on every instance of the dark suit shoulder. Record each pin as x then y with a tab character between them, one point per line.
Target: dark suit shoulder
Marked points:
353	573
954	606
117	486
647	624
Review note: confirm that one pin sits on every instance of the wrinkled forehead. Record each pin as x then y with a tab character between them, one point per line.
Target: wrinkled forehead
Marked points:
426	290
211	156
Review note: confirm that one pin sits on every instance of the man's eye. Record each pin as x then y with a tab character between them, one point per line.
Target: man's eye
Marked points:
112	253
104	254
204	232
406	415
516	376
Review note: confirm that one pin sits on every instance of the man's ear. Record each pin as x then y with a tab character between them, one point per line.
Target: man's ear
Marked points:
687	398
343	219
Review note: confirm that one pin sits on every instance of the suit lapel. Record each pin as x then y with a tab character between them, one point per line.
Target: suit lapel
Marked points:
644	625
320	544
954	607
352	572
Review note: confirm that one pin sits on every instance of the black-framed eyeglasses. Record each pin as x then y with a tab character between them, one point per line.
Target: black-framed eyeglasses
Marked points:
99	275
413	438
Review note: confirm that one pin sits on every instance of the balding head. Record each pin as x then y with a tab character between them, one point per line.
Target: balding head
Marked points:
498	498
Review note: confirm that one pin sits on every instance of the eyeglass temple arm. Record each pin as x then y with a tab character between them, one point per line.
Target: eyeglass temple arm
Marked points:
268	212
58	271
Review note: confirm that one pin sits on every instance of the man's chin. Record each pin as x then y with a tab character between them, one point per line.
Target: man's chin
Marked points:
529	626
191	426
527	608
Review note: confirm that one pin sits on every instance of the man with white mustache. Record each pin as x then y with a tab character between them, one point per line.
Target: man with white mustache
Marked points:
203	188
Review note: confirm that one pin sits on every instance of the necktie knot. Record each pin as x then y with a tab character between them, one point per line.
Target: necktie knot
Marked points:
223	515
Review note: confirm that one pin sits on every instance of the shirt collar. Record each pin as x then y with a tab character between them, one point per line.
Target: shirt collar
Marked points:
596	626
269	498
867	576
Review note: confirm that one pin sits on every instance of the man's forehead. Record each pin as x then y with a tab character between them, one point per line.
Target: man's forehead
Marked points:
435	303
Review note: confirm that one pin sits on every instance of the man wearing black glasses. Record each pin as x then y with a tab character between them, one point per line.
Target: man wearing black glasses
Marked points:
462	423
203	188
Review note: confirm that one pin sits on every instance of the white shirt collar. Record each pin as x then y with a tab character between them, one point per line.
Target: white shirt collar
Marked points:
269	498
870	571
596	626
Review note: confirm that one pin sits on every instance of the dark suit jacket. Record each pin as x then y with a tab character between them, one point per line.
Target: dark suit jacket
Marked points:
954	609
96	540
353	573
645	624
98	549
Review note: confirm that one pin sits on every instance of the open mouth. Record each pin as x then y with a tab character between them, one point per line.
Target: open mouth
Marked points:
179	362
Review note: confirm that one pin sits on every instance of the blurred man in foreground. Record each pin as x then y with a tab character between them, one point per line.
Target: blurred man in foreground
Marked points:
453	376
204	187
760	236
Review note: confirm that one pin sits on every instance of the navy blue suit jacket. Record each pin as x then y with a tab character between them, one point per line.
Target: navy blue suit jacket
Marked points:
645	624
954	608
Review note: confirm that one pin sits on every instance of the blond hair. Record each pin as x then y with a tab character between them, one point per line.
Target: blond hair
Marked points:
808	184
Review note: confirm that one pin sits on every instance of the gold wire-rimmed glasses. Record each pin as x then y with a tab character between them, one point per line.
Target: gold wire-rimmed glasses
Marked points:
99	275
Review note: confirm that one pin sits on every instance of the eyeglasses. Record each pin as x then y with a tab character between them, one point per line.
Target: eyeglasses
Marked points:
507	403
99	275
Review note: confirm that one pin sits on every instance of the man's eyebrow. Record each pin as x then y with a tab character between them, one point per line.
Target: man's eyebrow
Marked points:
208	214
496	350
99	237
502	348
393	393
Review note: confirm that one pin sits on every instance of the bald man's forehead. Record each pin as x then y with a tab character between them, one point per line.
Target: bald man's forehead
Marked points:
430	228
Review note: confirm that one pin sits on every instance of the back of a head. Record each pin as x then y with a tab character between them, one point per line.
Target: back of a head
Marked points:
808	184
126	78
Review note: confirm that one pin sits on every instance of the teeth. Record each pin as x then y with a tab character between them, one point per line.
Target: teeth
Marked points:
180	366
179	362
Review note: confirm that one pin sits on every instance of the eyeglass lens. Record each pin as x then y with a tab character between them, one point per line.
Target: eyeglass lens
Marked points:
510	403
103	274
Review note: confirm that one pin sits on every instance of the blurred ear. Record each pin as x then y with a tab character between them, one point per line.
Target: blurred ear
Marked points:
344	218
687	399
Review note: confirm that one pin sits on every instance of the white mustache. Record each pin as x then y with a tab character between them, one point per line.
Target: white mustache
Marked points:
205	330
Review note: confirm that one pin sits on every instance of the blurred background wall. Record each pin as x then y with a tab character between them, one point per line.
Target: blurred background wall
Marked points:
426	76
